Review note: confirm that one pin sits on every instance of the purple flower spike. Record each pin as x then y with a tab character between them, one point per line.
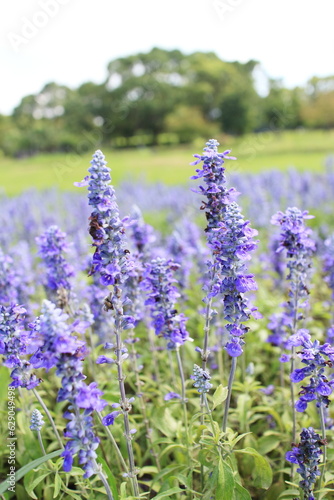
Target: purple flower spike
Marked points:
307	456
52	245
111	258
316	358
158	281
230	239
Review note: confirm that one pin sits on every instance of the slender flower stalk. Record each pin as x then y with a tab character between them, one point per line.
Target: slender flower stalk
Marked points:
48	414
158	279
114	444
295	239
230	239
111	261
142	403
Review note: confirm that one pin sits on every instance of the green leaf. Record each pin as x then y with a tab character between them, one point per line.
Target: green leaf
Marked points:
123	491
30	466
240	493
168	493
185	480
268	443
166	472
57	486
289	494
163	420
111	478
31	481
170	448
224	481
219	396
262	473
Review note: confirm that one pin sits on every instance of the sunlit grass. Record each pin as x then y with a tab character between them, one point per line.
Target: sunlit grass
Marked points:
304	150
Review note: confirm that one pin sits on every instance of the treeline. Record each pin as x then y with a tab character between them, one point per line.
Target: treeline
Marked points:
162	97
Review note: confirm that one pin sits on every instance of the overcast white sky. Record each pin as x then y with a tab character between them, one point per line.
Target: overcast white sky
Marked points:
71	41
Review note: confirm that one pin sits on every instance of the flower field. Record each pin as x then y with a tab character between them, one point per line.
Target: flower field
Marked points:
169	341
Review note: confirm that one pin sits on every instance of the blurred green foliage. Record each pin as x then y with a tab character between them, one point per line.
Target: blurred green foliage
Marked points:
160	98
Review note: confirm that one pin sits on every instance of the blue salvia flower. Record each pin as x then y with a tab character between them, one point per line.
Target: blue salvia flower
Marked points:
295	239
215	190
13	338
142	234
328	262
230	239
316	358
14	341
306	455
64	351
162	295
277	325
52	246
111	257
234	244
36	420
201	380
9	280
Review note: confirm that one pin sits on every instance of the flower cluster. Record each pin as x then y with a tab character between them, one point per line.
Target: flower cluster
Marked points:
142	234
111	258
201	380
52	245
14	342
328	263
230	239
296	239
232	242
36	421
58	347
161	297
307	456
313	356
213	175
13	338
9	280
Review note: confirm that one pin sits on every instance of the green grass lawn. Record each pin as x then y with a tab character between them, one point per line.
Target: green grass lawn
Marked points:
305	150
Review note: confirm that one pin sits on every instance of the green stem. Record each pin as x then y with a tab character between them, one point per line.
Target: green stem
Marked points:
113	442
292	392
104	480
323	435
229	393
53	425
126	407
185	414
183	394
153	349
205	355
211	421
41	442
142	404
